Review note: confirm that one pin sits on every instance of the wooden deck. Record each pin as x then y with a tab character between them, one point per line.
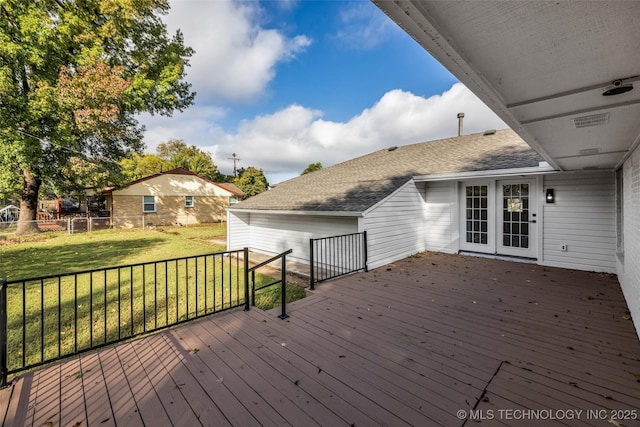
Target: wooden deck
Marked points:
431	340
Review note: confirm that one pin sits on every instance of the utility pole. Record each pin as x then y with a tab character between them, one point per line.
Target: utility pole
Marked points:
235	160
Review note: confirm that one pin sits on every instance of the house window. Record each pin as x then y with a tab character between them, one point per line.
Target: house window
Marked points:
233	200
188	201
148	203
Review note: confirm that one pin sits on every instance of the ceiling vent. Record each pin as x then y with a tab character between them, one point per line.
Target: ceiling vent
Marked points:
591	120
489	132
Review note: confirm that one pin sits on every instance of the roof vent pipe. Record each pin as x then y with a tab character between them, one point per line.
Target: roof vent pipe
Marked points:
460	119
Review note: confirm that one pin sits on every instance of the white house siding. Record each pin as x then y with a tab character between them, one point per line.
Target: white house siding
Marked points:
273	233
396	227
238	232
439	205
583	218
629	260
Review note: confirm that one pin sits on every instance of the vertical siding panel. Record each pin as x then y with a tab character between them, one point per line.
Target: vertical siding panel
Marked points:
438	214
275	233
396	227
629	261
238	231
583	219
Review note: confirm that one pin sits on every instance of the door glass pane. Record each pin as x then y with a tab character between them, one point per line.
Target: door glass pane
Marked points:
476	211
515	225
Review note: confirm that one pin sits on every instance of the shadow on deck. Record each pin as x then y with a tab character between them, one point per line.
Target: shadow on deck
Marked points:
434	339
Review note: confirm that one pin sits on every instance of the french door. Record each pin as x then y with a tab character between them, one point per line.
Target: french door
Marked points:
477	219
499	217
517	218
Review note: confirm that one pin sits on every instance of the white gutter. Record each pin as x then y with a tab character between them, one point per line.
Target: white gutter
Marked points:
544	168
294	212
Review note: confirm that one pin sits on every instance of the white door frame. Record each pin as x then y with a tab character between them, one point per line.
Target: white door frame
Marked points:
490	245
494	226
531	221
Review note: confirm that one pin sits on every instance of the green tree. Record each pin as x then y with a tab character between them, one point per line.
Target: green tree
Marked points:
312	168
73	76
138	166
251	181
179	154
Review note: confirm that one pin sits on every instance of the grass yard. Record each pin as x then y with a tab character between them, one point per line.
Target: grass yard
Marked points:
58	252
80	311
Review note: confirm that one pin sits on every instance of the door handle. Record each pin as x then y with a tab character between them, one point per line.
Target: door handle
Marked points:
533	221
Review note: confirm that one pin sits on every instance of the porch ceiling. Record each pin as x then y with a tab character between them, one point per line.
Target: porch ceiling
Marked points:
542	67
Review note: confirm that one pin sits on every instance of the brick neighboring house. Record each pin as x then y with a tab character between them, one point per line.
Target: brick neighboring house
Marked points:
178	196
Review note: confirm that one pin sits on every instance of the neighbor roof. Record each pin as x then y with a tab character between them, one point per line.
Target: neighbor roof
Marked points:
231	188
358	184
182	171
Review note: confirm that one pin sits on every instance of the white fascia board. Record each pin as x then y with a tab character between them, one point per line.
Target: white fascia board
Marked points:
294	212
487	174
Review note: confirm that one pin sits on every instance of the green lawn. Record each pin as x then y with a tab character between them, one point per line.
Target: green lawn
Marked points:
57	253
81	311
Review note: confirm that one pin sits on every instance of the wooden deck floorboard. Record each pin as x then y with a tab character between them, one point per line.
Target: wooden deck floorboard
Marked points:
332	393
412	343
296	405
527	336
521	338
123	404
378	382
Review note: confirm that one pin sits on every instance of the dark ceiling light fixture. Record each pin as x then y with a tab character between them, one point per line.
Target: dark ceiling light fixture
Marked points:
617	87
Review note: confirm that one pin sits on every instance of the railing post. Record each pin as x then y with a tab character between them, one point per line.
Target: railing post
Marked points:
312	278
246	279
253	288
364	244
283	291
3	334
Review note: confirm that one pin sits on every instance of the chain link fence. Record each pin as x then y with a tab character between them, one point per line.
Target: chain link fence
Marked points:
81	224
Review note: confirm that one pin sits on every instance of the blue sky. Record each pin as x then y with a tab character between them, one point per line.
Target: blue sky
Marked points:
286	83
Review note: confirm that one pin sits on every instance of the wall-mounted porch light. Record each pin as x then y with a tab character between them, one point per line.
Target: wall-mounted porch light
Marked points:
550	196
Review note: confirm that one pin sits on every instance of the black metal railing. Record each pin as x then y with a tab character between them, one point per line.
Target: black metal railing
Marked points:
47	318
282	281
335	256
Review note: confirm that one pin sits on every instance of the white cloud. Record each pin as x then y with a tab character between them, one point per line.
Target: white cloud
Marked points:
285	142
235	57
364	26
196	126
234	62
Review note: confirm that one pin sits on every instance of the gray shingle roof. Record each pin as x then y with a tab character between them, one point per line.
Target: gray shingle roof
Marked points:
357	184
